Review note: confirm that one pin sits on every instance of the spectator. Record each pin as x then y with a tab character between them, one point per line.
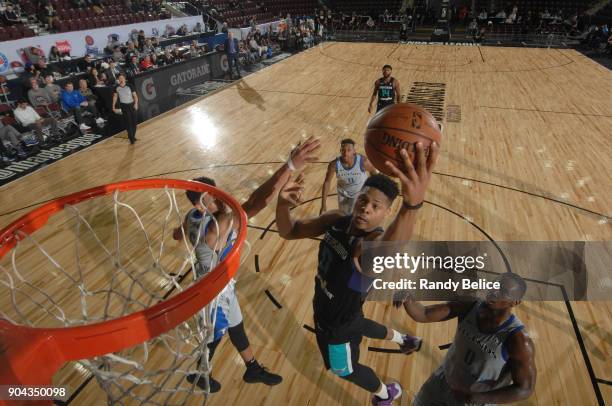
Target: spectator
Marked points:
131	51
85	64
33	54
194	49
148	47
53	91
47	12
37	96
154	60
257	47
117	54
473	28
102	80
54	55
128	105
231	50
132	68
169	32
74	103
483	15
45	69
166	58
9	16
198	28
29	118
224	28
155	44
141	40
146	64
182	31
176	56
28	74
9	135
92	77
386	16
112	72
307	37
86	91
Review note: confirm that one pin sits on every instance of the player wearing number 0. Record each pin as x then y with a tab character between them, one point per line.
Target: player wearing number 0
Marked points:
491	359
351	170
340	282
387	89
213	239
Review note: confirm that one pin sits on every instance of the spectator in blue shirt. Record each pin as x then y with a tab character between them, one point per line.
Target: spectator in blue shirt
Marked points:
75	103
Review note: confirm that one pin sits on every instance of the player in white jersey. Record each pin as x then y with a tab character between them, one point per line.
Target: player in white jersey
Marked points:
208	236
351	170
491	359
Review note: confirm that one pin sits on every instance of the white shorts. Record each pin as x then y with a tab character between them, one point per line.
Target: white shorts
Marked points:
228	312
345	204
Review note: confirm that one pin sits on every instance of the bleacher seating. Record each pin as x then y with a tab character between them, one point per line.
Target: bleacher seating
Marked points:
69	18
537	7
239	13
365	7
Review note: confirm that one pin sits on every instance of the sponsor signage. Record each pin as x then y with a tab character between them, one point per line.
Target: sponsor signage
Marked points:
20	168
167	82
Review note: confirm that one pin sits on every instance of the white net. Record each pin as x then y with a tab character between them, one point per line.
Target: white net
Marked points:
108	257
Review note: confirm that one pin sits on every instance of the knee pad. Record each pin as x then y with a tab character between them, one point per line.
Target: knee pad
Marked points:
238	337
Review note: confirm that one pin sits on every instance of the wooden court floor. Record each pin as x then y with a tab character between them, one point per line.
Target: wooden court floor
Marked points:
526	155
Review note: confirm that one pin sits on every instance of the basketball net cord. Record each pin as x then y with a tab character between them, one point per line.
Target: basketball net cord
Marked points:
128	376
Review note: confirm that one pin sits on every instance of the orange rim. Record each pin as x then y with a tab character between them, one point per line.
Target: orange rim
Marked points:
30	356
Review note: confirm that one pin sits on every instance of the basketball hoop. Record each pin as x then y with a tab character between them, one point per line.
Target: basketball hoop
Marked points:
86	278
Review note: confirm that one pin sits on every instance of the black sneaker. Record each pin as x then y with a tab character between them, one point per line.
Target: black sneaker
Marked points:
258	374
215	386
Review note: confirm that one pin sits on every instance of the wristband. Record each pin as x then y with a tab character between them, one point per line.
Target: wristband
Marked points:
290	165
409	207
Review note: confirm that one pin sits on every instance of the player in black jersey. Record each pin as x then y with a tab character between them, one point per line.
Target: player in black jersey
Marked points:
387	89
339	285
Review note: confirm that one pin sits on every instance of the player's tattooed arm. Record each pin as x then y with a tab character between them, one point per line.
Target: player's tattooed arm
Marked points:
414	182
329	175
521	356
294	229
304	153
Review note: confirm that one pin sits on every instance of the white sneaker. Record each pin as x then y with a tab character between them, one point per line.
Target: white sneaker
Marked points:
100	120
84	127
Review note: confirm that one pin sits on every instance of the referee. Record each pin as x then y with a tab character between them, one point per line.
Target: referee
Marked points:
128	103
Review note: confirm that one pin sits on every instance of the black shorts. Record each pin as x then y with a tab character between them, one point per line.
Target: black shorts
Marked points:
340	346
382	104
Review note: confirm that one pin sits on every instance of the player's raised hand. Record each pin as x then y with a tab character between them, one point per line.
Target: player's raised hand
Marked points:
415	180
305	152
291	192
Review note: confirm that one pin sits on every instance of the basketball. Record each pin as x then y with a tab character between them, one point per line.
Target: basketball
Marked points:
399	126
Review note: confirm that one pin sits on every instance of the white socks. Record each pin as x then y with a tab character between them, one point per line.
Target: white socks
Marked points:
397	338
382	392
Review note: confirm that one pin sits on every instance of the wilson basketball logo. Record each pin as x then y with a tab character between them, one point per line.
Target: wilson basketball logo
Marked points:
394	142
